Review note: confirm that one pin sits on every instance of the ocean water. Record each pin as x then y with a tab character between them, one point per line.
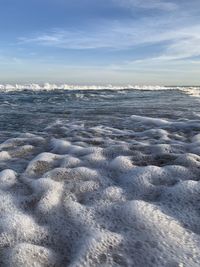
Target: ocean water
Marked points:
32	111
106	177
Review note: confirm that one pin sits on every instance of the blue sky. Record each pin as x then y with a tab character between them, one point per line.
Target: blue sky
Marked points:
100	41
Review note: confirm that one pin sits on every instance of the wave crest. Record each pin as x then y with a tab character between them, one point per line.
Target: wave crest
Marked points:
195	91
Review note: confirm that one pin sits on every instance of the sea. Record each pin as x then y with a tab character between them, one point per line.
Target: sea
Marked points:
99	176
32	110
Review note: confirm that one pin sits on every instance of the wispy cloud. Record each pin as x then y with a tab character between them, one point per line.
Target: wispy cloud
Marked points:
183	42
69	39
148	4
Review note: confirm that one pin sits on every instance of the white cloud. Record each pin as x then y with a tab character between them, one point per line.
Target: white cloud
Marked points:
179	43
148	4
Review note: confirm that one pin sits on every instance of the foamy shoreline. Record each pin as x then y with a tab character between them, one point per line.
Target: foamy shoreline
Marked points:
102	196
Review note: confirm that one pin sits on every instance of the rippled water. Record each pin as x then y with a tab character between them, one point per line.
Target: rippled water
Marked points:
33	111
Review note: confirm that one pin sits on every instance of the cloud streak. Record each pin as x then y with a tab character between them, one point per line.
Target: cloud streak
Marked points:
148	4
177	44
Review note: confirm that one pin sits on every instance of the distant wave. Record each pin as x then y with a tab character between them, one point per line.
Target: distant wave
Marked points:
193	91
48	86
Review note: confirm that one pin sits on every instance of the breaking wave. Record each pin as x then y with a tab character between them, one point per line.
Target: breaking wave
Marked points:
192	91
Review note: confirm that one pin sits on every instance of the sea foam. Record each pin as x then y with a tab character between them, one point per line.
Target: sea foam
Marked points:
189	90
114	197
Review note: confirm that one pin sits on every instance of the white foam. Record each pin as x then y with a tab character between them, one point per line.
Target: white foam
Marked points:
25	254
192	91
7	178
101	200
148	120
48	86
4	155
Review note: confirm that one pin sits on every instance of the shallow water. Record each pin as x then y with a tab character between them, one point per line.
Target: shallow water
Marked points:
99	178
29	111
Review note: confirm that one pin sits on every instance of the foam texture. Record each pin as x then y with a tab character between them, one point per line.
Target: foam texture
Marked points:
101	196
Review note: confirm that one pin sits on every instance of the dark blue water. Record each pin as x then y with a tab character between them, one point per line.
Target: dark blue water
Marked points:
29	111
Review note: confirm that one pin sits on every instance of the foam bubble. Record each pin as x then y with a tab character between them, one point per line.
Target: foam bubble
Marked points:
4	155
7	178
25	254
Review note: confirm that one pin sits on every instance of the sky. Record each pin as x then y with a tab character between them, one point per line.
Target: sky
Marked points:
100	41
